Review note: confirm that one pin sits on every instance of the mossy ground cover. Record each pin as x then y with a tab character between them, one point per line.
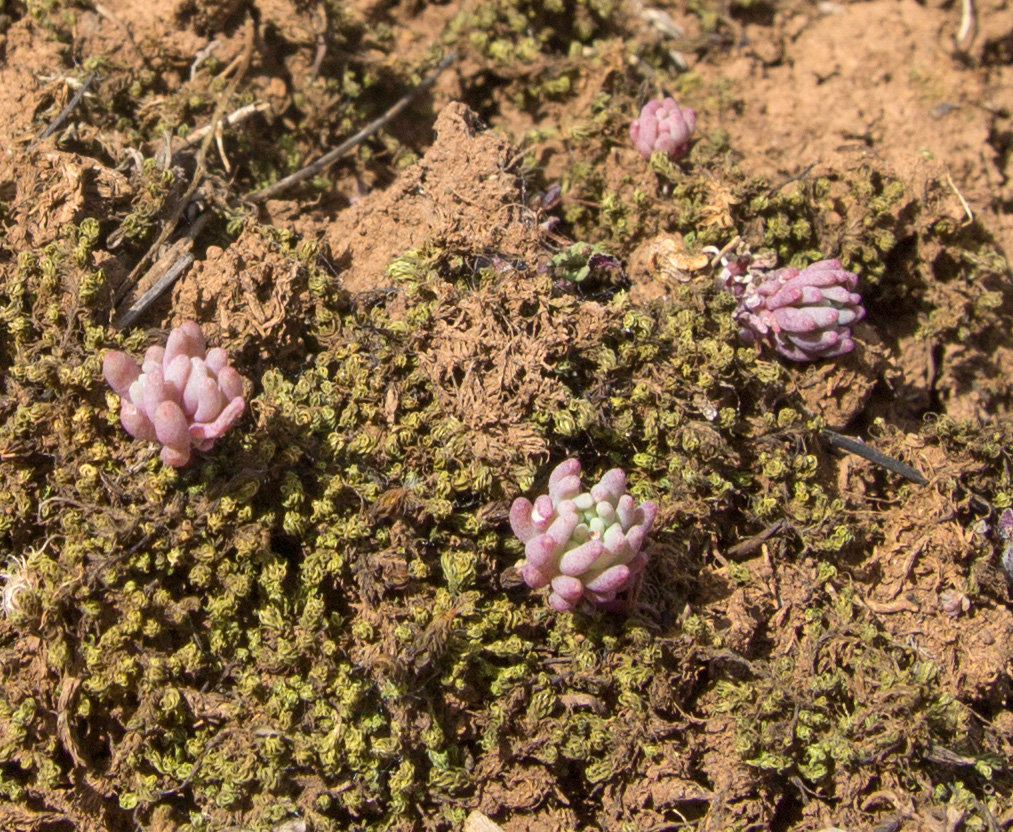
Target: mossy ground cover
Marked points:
317	625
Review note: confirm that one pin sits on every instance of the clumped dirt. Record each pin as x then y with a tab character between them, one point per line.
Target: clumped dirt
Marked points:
317	626
462	195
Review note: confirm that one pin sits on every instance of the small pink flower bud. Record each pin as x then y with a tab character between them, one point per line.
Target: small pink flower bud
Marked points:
663	125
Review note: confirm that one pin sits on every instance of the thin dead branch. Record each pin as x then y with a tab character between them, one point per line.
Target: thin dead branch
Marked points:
54	125
233	118
753	544
968	25
960	196
171	266
321	34
802	174
859	448
173	263
332	156
68	692
199	173
202	55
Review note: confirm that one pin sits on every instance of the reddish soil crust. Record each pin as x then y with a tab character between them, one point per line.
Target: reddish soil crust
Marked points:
462	196
831	86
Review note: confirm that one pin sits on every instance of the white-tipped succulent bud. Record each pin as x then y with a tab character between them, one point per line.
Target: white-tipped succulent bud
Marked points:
582	544
183	395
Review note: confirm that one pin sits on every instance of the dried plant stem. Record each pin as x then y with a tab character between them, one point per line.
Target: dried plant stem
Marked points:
859	448
960	196
752	544
174	262
171	266
202	55
54	125
332	156
802	174
198	175
235	117
321	53
968	24
716	259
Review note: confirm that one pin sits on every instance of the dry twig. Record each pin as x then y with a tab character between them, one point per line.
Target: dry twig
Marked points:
332	156
235	117
968	25
752	544
960	196
54	125
202	55
172	264
318	59
198	175
859	448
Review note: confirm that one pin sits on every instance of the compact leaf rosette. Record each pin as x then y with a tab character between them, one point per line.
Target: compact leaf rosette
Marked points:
183	395
804	314
665	126
583	544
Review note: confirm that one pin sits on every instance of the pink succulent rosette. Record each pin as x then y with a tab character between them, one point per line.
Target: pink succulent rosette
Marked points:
805	314
663	125
183	395
582	544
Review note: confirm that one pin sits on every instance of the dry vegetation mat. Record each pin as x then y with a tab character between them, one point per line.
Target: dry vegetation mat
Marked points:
319	623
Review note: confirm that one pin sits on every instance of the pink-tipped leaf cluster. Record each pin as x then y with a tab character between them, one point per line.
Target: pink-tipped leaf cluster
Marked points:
582	544
182	395
804	314
665	126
